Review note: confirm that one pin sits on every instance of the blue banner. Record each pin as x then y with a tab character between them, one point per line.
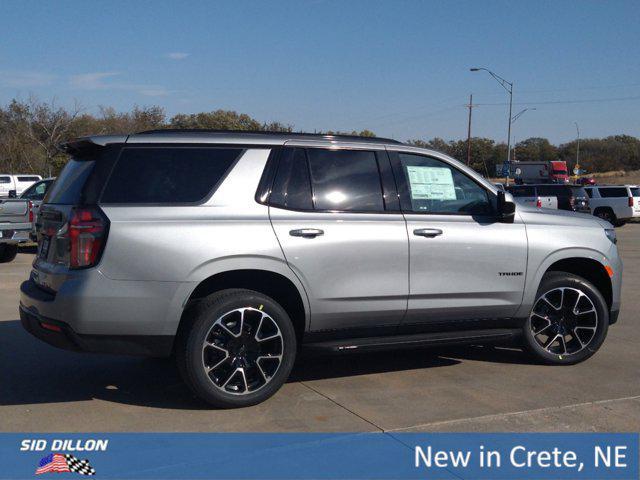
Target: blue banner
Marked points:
319	456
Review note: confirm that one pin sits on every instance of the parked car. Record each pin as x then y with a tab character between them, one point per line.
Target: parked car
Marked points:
35	193
16	183
586	181
563	197
16	217
616	204
231	250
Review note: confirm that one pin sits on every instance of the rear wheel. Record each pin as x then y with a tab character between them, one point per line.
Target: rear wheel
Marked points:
568	322
238	350
8	252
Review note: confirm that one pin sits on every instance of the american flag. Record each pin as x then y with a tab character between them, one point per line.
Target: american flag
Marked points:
54	462
60	463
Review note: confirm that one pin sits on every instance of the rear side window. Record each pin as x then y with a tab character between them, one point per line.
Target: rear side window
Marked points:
635	191
167	175
5	179
345	180
553	191
292	186
67	189
613	192
522	191
28	179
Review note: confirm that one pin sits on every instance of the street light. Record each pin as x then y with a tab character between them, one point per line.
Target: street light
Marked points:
577	167
508	86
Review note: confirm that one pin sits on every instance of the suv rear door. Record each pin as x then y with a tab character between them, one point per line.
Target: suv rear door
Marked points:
336	215
464	264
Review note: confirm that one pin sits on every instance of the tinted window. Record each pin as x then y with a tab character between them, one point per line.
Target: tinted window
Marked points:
553	190
578	192
613	192
167	175
5	179
292	188
345	180
522	191
67	189
635	191
589	192
28	179
437	187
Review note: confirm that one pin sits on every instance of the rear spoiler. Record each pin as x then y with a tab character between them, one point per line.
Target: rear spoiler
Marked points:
84	145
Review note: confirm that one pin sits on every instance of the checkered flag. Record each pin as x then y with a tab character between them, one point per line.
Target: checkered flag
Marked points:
79	466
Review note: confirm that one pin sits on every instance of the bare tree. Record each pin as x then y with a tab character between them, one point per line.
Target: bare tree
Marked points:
49	125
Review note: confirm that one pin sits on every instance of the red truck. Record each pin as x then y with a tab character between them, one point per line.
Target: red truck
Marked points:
540	172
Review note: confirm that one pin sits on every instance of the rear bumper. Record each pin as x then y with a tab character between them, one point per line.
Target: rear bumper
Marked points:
18	233
61	335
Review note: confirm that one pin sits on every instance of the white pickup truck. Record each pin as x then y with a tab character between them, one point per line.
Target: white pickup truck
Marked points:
615	203
16	217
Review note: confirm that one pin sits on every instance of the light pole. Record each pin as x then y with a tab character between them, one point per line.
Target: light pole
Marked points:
513	120
578	148
508	86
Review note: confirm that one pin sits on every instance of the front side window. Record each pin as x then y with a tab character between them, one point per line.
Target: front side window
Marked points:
436	187
28	179
589	192
167	175
345	180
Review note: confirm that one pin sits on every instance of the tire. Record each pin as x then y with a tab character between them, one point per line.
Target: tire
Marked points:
606	214
8	252
573	338
249	352
620	223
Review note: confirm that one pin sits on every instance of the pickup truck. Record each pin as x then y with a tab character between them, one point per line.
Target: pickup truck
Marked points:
16	217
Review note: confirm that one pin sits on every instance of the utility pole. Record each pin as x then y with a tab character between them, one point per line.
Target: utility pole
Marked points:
470	106
577	167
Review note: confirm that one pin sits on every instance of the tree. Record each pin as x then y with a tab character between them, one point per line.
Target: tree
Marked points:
216	120
535	149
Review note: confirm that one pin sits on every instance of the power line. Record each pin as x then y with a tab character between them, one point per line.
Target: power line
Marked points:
556	102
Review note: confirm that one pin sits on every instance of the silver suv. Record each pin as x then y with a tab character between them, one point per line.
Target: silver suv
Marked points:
232	250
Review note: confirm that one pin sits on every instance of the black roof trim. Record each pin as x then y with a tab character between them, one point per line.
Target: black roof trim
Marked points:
310	136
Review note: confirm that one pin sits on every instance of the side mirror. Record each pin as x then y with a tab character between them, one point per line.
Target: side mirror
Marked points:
506	208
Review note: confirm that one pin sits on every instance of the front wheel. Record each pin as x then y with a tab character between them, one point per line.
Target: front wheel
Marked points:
8	252
238	350
568	322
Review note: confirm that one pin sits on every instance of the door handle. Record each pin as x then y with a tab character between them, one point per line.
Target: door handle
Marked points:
427	232
306	232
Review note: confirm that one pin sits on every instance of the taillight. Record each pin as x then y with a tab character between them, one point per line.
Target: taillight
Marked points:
631	201
30	211
539	203
87	236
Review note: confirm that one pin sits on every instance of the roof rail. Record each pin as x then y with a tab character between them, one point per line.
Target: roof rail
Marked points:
324	136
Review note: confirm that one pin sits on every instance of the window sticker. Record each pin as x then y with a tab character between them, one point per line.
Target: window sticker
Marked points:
431	183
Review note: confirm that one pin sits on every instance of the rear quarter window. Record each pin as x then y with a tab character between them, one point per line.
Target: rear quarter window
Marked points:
67	189
154	175
5	179
613	192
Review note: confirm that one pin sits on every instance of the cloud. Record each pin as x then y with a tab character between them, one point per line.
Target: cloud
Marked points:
17	79
93	81
104	81
177	55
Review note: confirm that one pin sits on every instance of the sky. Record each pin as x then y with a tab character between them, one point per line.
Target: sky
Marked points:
398	68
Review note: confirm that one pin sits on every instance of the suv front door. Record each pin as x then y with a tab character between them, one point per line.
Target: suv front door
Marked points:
464	264
336	215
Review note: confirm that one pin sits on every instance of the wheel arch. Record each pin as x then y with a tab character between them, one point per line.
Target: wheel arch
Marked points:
588	264
285	290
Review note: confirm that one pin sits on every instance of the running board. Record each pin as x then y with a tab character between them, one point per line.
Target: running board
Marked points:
416	340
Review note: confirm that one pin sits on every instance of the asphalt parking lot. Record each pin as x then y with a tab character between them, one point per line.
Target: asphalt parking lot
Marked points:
43	389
